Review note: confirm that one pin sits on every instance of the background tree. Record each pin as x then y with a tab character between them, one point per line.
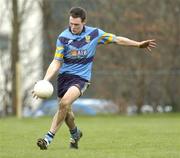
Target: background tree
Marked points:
15	65
17	76
125	75
130	76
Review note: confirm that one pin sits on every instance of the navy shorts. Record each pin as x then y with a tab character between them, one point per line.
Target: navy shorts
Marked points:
65	81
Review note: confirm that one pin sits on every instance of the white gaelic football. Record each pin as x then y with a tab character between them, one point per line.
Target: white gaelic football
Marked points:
43	89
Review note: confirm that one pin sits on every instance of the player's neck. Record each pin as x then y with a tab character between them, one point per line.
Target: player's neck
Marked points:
83	30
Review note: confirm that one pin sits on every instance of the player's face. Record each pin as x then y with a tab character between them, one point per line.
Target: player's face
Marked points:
76	25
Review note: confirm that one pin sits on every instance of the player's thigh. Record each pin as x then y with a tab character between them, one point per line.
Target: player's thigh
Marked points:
71	95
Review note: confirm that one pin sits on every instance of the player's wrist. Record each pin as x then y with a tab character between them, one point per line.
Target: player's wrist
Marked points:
46	78
139	44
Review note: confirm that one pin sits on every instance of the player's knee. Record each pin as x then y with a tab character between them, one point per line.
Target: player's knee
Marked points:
64	104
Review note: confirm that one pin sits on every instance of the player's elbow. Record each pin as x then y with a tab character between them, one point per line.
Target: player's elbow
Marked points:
119	40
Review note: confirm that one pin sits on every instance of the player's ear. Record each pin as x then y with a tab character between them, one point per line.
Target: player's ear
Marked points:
84	22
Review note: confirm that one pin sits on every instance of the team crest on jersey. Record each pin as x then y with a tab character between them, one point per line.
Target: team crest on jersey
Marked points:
88	38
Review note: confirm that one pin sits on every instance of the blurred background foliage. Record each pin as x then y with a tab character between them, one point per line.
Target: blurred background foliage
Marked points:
128	76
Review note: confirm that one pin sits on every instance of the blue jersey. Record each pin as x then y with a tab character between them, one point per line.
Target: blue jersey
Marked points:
77	51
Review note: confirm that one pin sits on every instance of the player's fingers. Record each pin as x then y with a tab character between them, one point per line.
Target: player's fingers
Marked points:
152	40
33	93
148	49
152	45
35	96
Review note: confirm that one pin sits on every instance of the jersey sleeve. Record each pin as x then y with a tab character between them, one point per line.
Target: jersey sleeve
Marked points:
106	38
59	53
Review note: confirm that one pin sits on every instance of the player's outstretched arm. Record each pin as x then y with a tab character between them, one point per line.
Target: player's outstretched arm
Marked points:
148	44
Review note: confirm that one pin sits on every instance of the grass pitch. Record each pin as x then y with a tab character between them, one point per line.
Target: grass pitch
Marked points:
145	136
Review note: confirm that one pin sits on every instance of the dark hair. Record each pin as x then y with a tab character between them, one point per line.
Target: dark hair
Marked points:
78	12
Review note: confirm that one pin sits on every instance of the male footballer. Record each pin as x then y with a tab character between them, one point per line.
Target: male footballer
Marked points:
73	60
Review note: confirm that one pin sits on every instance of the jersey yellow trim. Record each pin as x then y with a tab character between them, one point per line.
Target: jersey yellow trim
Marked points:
58	55
109	39
104	35
59	48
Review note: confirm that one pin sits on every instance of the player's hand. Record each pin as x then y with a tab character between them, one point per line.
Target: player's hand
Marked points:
148	44
33	94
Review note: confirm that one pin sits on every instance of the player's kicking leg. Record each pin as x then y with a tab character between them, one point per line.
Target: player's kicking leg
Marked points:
75	133
70	96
